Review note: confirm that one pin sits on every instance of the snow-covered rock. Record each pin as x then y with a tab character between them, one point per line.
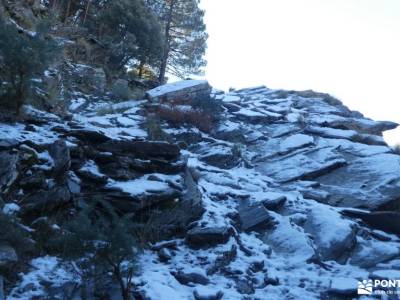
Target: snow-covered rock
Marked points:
181	90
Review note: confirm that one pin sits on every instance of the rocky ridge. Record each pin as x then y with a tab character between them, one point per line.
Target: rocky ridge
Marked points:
291	195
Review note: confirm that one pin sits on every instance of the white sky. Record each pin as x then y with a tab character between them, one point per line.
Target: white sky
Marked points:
349	48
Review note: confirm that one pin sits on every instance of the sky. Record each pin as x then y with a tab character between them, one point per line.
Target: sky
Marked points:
348	48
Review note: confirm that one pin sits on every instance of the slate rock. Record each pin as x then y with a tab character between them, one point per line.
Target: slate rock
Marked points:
332	235
388	221
46	200
255	217
192	277
89	136
367	182
199	237
142	149
188	90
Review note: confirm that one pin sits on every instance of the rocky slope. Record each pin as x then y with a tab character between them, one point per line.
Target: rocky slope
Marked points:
290	196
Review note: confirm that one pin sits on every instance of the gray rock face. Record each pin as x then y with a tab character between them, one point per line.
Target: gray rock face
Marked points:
183	90
367	182
307	165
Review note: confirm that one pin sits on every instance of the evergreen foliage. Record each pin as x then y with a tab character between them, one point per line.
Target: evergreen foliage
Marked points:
105	241
128	31
22	56
184	36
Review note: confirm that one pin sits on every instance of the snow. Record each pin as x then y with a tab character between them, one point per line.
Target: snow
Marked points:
11	208
91	167
139	186
44	269
386	274
230	98
332	132
76	104
296	141
175	86
344	285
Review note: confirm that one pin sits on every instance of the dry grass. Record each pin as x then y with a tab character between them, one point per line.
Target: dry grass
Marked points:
176	117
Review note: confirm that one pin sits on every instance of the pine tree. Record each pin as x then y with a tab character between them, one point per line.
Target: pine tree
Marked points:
184	36
128	30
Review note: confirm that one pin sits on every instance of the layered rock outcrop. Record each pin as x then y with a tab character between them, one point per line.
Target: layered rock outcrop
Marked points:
288	192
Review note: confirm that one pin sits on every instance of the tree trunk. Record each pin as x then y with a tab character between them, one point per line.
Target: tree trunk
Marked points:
163	67
67	12
86	12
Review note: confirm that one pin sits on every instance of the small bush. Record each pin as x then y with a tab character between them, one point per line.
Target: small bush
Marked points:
102	242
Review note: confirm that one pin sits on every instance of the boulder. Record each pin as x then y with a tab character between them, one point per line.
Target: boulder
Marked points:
59	152
203	237
369	253
137	194
186	90
8	255
223	160
289	240
255	217
89	136
333	236
273	201
388	221
46	200
8	169
86	78
192	277
244	286
120	89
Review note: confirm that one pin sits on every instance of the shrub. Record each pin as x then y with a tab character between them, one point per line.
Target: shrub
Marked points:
176	117
22	56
